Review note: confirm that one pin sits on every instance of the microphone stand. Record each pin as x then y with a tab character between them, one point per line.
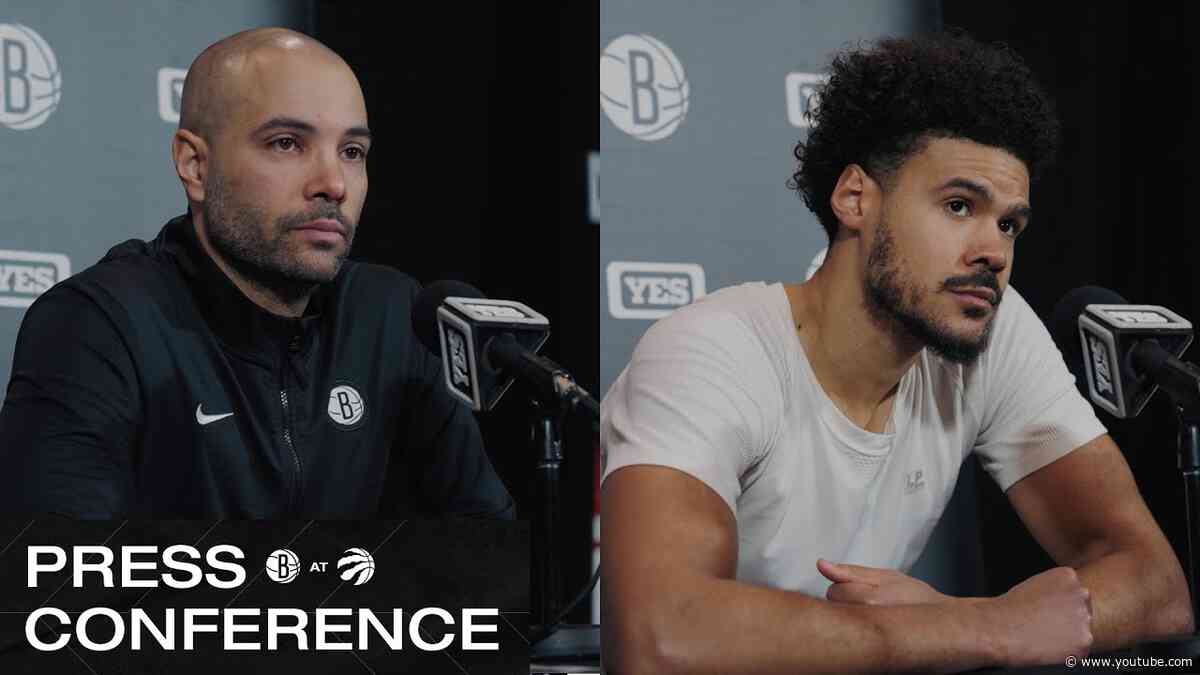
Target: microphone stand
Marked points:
547	449
1189	466
553	643
554	394
1186	646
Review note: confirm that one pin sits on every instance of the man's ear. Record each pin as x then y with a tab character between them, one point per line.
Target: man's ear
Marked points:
854	198
190	154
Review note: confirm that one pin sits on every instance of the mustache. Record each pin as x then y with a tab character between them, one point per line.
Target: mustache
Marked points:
331	212
980	279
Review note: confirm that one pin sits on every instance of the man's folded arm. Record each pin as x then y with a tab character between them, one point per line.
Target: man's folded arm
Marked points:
1043	444
671	603
70	416
1086	511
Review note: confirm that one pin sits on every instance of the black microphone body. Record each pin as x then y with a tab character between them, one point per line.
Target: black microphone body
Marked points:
553	383
1180	379
486	343
458	322
504	353
1123	352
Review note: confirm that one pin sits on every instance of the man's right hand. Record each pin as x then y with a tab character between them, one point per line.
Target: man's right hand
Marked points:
1042	620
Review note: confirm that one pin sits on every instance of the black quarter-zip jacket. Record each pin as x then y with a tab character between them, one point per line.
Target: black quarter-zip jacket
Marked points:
149	385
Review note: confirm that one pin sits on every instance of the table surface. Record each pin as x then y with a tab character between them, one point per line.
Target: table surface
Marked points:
576	649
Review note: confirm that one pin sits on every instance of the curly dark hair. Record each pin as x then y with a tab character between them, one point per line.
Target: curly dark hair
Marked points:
882	105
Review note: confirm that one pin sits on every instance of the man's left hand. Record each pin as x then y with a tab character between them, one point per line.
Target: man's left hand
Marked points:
875	586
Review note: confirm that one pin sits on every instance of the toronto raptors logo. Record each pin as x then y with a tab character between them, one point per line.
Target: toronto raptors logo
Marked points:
346	406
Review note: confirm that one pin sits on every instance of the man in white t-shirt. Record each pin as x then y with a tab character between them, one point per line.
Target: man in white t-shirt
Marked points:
776	455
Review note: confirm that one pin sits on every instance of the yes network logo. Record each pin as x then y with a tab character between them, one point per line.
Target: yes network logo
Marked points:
24	275
650	290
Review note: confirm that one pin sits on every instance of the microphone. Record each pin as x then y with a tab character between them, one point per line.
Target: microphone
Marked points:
486	343
458	322
1124	352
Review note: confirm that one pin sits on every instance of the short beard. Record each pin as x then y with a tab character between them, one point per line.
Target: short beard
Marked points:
264	256
893	301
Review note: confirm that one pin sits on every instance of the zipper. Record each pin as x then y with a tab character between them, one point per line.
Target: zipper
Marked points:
294	499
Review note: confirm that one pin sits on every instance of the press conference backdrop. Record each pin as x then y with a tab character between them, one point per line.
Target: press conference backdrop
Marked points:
702	104
89	98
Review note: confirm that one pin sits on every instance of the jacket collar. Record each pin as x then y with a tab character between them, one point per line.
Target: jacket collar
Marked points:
236	320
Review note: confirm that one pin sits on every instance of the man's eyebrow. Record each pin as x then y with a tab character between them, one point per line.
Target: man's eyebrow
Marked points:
285	123
301	126
1023	210
968	185
359	131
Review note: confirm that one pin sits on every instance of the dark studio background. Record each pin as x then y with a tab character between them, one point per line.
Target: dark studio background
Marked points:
1115	212
483	116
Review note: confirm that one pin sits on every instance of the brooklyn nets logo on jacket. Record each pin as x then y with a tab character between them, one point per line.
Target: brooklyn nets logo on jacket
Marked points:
346	407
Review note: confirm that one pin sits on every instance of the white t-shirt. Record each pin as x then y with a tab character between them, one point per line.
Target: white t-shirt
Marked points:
722	390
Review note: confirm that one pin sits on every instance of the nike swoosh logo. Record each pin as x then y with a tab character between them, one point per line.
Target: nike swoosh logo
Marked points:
204	420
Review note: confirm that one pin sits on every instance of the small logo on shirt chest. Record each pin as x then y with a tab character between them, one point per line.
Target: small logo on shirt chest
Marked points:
913	481
204	420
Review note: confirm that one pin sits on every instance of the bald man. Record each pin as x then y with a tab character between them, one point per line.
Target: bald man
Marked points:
237	365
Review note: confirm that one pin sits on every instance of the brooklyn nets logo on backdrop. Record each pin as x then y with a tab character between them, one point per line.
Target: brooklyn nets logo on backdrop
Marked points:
643	89
30	81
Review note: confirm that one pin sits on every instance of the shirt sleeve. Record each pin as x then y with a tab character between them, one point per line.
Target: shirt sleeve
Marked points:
445	469
71	413
699	395
1030	410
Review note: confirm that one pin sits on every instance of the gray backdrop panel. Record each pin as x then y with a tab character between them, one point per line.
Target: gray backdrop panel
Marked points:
713	192
97	170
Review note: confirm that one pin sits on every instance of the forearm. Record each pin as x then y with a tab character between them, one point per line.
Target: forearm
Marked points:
1137	594
700	625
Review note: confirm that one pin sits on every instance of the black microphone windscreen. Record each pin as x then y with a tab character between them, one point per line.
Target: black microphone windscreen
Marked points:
1064	325
425	307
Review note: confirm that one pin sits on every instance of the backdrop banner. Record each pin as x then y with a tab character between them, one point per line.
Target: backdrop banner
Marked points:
702	104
